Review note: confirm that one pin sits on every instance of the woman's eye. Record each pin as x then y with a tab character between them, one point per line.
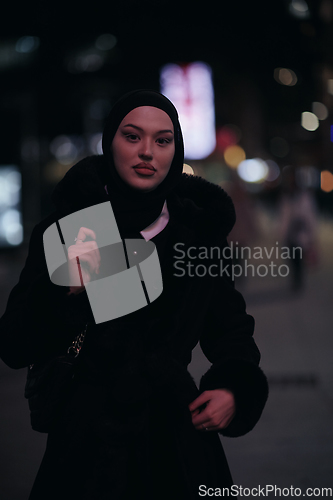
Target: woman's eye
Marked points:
132	137
163	140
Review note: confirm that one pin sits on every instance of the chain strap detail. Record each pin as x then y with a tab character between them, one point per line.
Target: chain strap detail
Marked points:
77	343
76	346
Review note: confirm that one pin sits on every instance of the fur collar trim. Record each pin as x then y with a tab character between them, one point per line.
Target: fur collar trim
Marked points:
210	206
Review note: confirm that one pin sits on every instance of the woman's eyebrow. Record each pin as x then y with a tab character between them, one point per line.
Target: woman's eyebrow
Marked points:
164	131
134	126
139	128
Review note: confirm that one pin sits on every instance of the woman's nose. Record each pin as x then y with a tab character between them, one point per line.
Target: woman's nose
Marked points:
146	149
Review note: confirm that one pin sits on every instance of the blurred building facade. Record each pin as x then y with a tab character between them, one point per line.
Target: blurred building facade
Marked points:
272	74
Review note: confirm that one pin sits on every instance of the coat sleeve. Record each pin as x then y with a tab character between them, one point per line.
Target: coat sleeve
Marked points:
227	342
39	320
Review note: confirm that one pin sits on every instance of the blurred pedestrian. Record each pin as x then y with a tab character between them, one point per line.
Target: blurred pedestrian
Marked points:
298	228
246	229
135	424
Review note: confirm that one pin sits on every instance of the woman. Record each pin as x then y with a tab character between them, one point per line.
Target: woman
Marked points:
136	426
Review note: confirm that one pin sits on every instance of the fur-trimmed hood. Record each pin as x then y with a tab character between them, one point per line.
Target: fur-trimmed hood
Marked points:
200	203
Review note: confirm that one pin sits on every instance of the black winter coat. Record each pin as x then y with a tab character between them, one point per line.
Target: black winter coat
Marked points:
126	431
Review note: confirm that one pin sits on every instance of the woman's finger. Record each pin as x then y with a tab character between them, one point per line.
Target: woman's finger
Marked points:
204	427
201	400
200	419
83	257
218	412
88	252
84	233
82	265
194	413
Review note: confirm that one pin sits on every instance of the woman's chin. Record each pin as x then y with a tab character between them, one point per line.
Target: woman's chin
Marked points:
144	185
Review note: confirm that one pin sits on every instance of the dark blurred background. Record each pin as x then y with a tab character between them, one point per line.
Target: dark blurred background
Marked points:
61	69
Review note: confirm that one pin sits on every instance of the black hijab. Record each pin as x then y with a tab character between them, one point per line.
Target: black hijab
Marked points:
134	209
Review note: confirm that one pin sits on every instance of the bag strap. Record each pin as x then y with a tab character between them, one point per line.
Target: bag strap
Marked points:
76	346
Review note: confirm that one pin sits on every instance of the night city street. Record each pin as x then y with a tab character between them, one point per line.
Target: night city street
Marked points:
253	85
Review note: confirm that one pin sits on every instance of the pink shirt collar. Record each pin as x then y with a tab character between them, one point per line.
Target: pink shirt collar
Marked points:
158	225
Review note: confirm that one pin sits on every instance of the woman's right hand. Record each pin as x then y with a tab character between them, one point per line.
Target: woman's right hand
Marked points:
83	260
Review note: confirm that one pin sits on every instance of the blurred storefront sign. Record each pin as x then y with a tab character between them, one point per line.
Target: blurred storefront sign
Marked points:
190	88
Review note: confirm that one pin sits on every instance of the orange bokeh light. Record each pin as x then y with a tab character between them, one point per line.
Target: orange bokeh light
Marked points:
326	181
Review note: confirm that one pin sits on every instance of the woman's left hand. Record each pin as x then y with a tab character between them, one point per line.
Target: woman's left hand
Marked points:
213	410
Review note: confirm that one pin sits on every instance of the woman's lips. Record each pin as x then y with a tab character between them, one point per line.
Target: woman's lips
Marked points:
144	169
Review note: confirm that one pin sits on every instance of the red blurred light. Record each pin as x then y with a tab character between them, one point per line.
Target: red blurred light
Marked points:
225	137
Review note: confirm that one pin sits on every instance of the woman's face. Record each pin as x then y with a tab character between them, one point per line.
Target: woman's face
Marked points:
143	147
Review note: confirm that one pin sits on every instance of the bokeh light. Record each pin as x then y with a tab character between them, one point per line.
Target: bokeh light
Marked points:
187	169
299	9
87	61
326	181
66	149
95	144
106	42
309	121
320	110
285	76
10	187
330	86
254	170
227	135
234	155
27	44
273	171
11	227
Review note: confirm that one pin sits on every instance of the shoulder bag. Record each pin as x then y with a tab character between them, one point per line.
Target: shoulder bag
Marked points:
48	386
